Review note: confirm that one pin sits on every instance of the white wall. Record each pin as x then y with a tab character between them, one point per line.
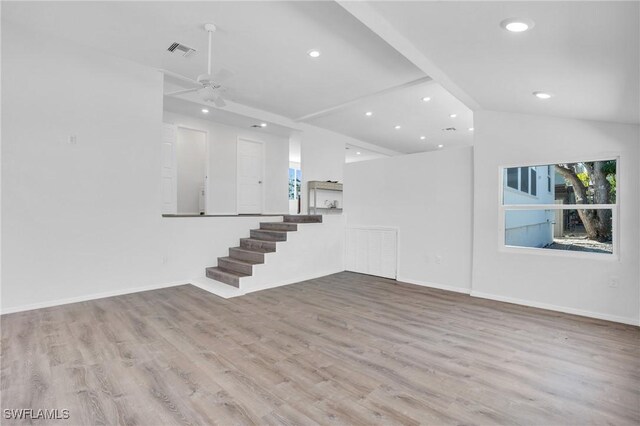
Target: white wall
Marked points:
78	218
222	197
323	158
558	282
191	153
428	198
83	220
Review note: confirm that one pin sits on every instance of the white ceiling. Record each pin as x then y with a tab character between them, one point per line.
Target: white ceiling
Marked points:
188	108
417	118
585	53
353	154
264	44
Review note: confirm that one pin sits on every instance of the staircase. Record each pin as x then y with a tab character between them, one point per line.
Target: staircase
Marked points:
252	250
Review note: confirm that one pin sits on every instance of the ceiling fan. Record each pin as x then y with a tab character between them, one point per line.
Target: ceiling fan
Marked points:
207	85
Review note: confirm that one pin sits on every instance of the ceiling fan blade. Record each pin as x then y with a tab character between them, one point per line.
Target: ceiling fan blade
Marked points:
181	92
207	93
219	102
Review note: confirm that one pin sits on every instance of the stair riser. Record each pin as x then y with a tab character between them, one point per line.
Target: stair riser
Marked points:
279	226
233	266
268	235
246	255
218	276
267	245
303	218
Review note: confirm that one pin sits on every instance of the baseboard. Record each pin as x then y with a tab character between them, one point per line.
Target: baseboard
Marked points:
556	308
88	297
434	285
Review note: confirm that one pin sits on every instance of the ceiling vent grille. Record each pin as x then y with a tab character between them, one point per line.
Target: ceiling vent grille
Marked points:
449	129
186	50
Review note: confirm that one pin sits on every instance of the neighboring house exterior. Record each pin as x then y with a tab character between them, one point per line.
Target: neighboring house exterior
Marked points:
529	185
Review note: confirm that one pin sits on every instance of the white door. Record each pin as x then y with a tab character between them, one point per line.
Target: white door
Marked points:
169	169
250	176
191	153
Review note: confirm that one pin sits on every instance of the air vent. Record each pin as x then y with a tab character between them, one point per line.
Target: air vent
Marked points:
186	50
449	129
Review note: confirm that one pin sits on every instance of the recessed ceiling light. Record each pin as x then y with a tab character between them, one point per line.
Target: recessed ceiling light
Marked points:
313	53
517	25
358	153
453	115
542	95
368	113
422	138
397	127
263	124
471	129
204	110
440	146
426	99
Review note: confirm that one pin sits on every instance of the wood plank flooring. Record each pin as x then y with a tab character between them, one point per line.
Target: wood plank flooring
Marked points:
343	349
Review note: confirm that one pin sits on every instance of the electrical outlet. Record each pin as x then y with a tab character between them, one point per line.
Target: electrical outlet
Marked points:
73	140
165	260
614	282
438	259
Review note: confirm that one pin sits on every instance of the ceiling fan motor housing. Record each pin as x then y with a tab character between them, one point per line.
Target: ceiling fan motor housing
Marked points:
208	80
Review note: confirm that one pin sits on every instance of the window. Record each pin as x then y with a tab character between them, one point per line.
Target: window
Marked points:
534	182
512	178
294	183
577	213
524	179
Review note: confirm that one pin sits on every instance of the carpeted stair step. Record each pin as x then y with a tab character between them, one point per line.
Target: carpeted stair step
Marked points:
303	218
267	235
254	255
225	276
236	265
279	226
252	243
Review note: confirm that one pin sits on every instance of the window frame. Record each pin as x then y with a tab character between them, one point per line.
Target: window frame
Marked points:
615	211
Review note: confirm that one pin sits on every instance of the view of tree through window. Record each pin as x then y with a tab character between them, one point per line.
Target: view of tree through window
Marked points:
576	212
294	183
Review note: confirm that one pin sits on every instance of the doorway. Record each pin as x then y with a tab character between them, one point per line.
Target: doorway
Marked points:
250	176
191	165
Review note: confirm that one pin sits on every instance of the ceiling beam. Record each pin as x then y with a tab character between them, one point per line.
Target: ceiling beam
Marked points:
329	110
371	18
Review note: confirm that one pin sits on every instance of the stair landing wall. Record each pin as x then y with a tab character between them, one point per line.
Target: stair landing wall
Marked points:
314	250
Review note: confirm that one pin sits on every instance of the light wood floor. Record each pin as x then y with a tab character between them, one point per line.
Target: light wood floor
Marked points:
344	349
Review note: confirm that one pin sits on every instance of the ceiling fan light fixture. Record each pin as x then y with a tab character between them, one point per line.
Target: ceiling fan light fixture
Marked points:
205	111
313	53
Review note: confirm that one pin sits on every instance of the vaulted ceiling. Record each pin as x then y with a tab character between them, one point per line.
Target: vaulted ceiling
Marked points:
379	57
585	53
